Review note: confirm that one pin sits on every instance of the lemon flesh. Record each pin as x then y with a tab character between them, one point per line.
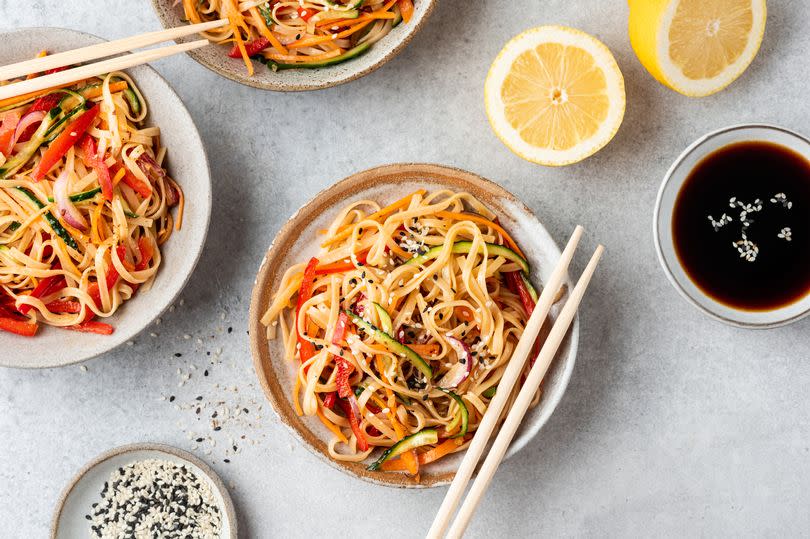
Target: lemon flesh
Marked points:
555	95
696	47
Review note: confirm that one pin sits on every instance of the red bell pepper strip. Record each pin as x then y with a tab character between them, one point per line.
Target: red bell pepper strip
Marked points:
91	326
44	104
330	399
112	278
340	267
147	252
306	348
46	286
140	187
306	14
19	327
59	306
340	329
354	423
7	129
89	155
516	285
56	70
64	142
344	370
251	47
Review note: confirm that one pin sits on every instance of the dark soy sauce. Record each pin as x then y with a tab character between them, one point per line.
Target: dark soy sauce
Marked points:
741	226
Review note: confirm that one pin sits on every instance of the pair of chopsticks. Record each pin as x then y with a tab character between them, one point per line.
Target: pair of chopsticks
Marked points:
95	52
510	376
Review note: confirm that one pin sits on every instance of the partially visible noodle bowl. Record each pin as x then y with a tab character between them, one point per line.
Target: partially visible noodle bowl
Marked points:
299	33
85	204
402	326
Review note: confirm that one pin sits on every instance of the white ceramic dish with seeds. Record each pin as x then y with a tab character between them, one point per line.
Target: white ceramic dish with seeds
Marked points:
187	164
84	489
662	225
298	240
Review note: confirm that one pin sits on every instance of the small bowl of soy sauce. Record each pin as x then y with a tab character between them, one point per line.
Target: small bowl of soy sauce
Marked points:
732	225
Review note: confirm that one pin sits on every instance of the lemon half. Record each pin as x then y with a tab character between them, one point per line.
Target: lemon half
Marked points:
555	95
696	47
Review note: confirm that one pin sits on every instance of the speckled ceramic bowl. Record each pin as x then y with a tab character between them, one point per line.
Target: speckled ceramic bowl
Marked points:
297	241
216	58
84	489
187	164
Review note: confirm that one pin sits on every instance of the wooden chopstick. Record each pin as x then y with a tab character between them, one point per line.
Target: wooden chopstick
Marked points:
103	50
524	399
507	382
99	68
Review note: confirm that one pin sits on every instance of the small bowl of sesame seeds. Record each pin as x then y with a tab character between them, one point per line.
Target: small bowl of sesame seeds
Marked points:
143	491
731	226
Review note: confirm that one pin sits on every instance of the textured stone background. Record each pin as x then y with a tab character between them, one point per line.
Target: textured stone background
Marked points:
673	424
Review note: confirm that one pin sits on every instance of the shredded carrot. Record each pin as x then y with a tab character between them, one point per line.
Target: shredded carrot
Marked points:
259	20
394	465
96	91
332	427
379	14
191	12
95	217
406	8
233	17
478	219
181	206
302	59
441	450
310	41
425	349
25	97
346	230
118	176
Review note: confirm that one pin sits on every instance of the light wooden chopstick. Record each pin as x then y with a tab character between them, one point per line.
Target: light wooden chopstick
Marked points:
507	382
103	50
100	50
524	399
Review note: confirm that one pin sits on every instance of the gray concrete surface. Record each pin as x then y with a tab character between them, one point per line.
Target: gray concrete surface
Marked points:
673	424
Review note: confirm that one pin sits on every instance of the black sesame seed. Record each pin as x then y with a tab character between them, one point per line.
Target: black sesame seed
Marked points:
205	373
230	330
171	399
198	440
226	461
217	429
199	397
178	354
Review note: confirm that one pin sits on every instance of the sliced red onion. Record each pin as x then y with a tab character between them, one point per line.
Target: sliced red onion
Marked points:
67	210
461	370
27	121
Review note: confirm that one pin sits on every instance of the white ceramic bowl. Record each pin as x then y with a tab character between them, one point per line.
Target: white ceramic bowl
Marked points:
187	164
84	489
662	224
297	241
216	57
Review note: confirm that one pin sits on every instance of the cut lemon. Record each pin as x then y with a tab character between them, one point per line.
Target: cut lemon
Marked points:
696	47
554	95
